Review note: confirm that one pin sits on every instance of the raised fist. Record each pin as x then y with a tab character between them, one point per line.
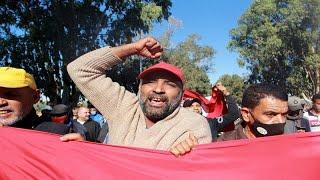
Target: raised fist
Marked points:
148	47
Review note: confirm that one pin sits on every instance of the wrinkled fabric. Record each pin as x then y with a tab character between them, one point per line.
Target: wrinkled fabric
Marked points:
214	107
27	154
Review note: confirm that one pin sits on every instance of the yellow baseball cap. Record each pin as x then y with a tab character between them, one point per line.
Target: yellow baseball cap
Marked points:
16	78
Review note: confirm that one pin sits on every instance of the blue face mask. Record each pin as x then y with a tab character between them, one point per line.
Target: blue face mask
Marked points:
93	113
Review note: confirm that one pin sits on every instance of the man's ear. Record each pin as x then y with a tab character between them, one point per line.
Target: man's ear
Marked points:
245	113
36	96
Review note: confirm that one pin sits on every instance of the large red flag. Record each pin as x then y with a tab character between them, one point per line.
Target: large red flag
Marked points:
27	154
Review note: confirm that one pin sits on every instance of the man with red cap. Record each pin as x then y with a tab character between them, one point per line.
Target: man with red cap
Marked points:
153	119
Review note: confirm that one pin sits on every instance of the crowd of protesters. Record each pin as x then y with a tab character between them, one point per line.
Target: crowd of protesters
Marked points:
154	118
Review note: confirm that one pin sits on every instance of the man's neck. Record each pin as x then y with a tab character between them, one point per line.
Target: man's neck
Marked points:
247	131
81	121
149	123
315	112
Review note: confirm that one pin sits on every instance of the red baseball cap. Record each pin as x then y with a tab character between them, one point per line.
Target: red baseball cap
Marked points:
165	67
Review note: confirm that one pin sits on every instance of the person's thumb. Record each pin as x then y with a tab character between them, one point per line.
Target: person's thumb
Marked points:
72	137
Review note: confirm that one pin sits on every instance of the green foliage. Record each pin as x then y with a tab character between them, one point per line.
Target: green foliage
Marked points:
235	84
278	41
194	59
44	36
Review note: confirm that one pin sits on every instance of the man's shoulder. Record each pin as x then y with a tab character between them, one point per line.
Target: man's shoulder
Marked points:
186	114
92	122
193	121
53	127
235	134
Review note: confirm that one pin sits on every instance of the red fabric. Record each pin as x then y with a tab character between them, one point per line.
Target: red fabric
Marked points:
214	107
27	154
164	66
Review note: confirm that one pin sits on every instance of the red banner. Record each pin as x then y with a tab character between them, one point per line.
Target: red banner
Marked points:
27	154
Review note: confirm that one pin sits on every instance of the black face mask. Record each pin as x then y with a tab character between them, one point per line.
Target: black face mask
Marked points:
260	130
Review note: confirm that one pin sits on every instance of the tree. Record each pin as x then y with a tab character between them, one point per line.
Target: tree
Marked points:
278	41
235	85
194	59
44	36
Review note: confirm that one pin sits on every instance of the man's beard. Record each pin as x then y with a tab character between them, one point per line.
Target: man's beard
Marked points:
157	114
10	121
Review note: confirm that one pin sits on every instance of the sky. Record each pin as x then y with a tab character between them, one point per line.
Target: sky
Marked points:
212	20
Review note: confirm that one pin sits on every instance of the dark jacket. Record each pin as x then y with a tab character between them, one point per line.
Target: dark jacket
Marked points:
103	133
61	128
53	127
92	130
218	123
233	135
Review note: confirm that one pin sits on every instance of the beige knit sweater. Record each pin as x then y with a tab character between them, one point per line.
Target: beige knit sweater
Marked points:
122	110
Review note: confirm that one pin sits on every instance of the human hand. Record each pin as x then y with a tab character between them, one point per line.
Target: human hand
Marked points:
72	137
184	146
221	88
301	131
148	47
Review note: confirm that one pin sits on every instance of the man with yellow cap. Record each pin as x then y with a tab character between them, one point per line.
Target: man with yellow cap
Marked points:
18	93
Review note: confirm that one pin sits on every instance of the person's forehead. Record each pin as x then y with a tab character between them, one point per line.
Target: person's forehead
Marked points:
82	109
161	74
272	104
23	90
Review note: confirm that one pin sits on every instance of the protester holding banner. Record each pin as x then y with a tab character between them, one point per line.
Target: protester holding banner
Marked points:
153	119
18	93
264	110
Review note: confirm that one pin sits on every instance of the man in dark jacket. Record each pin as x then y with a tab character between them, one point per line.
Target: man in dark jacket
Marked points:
18	93
92	127
264	110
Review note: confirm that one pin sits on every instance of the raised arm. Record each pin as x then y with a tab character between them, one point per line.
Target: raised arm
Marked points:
88	73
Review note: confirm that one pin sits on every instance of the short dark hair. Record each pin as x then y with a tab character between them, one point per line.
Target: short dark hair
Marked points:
189	102
253	94
315	97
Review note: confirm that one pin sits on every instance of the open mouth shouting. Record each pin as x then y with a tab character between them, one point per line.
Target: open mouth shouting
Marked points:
157	101
4	113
